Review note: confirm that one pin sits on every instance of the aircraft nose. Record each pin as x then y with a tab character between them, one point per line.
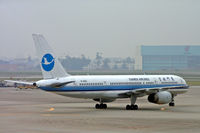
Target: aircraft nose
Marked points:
185	83
182	81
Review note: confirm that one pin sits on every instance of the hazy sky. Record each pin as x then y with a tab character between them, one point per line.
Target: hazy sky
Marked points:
113	27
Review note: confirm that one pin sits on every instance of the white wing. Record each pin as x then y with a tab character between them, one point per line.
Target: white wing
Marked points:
147	91
20	83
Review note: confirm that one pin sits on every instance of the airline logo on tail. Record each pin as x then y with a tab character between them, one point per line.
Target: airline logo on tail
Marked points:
48	62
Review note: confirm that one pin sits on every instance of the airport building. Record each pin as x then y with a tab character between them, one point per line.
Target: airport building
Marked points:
170	57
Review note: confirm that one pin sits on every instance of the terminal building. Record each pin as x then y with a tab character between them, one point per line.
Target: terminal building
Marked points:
170	57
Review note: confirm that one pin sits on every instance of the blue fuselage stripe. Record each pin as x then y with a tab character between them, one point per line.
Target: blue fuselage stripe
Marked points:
112	87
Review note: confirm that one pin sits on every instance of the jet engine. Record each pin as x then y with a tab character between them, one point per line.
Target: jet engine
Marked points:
160	97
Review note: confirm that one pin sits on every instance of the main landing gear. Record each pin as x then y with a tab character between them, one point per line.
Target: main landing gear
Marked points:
172	102
133	106
101	106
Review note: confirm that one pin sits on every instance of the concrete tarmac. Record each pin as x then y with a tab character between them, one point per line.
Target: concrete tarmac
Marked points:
36	111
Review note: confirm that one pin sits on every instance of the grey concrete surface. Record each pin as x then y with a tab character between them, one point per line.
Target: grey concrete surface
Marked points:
36	111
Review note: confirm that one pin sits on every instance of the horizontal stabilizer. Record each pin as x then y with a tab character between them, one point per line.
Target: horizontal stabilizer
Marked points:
20	83
52	83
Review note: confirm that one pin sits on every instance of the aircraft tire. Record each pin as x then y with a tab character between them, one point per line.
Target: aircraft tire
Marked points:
128	107
101	106
131	107
172	104
97	106
135	107
104	106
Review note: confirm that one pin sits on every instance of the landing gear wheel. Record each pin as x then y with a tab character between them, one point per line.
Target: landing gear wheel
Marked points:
128	107
101	106
104	106
171	104
135	107
97	106
131	107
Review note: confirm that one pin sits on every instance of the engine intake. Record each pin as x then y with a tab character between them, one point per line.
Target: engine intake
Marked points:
160	97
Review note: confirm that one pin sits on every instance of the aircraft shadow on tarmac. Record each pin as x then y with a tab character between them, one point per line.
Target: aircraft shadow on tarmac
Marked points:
78	110
113	109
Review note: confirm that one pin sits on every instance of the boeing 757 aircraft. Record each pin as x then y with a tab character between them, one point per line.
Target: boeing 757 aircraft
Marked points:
161	89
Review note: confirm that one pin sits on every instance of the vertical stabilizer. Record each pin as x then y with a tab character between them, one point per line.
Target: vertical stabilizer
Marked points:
49	63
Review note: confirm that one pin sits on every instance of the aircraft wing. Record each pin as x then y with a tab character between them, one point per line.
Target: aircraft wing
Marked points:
147	91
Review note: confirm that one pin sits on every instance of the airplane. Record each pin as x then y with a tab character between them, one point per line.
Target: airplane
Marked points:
160	89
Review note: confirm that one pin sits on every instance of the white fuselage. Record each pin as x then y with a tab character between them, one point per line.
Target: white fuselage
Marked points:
113	86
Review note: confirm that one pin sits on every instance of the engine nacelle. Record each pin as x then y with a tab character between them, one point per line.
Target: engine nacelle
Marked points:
160	97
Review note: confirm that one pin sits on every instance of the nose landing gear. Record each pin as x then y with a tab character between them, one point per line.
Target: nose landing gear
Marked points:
172	102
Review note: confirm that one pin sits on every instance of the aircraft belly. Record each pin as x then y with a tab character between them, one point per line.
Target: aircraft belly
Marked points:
91	94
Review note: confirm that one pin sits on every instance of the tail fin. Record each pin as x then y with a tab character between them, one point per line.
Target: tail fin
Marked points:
50	65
